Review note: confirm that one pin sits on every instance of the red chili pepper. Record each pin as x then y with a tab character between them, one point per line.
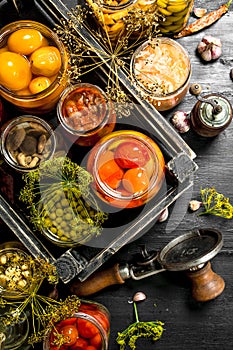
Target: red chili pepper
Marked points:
204	21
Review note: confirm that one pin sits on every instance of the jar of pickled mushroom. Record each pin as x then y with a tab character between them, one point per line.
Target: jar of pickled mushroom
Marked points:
175	15
128	168
26	141
85	114
129	18
161	70
33	66
88	328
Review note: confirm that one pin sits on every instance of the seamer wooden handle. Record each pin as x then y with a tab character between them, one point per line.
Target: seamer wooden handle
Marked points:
97	281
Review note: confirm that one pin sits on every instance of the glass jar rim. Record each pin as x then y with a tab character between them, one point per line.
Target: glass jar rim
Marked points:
16	25
146	44
116	194
13	123
65	95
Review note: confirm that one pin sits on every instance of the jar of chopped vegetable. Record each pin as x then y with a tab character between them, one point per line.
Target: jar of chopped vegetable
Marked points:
176	14
85	114
161	70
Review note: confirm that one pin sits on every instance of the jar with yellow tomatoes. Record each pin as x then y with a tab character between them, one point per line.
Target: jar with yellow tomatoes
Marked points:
175	15
88	328
33	66
128	168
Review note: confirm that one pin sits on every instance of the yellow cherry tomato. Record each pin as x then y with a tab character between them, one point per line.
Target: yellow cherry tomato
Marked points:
46	61
25	41
39	84
15	73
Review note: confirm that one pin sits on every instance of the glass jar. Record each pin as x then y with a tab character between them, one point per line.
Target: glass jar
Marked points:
175	13
34	100
15	271
26	141
113	16
90	324
86	114
128	168
162	72
17	332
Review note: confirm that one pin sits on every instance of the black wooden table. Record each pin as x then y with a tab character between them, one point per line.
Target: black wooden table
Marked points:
188	324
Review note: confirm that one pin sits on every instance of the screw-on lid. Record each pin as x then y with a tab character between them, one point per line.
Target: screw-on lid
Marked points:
216	112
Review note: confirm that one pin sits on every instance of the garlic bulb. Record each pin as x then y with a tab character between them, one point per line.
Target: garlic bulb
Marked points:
209	48
181	121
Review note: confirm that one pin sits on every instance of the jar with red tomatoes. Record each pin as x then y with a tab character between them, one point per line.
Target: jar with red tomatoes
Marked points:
128	168
86	114
88	329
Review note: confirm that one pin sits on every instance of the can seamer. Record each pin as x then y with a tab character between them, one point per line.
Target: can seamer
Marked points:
190	253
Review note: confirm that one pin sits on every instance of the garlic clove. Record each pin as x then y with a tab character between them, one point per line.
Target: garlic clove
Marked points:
199	12
201	47
216	52
181	121
194	205
163	215
139	296
206	55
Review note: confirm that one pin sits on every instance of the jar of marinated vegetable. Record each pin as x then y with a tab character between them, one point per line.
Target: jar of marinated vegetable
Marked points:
161	70
33	70
88	328
175	15
128	168
85	114
15	271
26	141
114	16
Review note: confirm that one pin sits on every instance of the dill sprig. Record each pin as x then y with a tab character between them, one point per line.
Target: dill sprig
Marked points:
44	311
139	329
215	203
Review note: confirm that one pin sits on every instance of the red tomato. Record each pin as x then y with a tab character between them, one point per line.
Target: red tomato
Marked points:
67	322
111	173
71	332
90	347
131	154
96	341
101	318
135	180
80	344
86	329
